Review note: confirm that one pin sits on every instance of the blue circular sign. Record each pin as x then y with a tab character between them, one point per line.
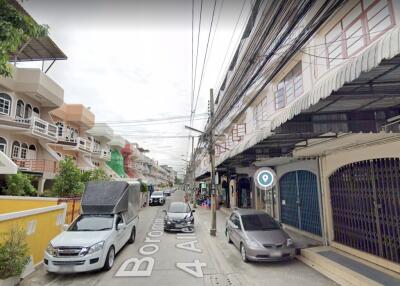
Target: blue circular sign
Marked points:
265	178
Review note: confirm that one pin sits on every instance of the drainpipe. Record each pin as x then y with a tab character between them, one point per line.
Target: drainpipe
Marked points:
320	200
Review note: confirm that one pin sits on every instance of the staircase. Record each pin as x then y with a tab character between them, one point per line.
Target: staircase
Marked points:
346	269
7	166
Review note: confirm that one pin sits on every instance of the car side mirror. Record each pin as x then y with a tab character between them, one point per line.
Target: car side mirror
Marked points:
65	227
235	226
121	226
193	211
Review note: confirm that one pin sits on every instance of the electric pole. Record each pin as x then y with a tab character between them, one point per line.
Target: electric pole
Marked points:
213	230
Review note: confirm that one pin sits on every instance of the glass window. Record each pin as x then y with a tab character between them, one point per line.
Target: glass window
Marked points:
92	223
290	87
5	104
3	145
24	150
259	222
15	149
28	111
20	109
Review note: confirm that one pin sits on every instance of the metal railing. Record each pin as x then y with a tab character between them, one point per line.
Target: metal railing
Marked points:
37	165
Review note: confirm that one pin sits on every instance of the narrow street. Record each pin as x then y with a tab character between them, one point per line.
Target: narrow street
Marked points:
220	262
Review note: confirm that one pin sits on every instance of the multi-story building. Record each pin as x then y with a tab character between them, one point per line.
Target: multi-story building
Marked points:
116	164
26	99
313	92
100	135
73	121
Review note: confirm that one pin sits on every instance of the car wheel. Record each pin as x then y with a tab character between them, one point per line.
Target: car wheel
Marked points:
228	237
110	259
243	253
133	236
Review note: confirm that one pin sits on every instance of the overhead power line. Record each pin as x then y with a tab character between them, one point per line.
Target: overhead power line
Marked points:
205	57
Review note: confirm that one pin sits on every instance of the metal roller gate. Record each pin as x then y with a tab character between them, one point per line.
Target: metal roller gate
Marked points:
299	201
365	198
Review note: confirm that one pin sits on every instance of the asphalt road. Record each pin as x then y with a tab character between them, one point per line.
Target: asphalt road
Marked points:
195	259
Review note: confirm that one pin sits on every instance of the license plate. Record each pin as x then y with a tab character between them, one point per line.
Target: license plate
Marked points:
275	254
66	268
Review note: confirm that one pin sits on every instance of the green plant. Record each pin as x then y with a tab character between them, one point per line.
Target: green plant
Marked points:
19	185
14	253
143	187
68	181
16	28
94	175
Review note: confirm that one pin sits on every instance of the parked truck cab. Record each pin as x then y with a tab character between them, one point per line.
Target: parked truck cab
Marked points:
107	222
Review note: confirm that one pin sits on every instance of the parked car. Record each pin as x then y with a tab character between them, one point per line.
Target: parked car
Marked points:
258	236
167	193
107	222
157	198
179	217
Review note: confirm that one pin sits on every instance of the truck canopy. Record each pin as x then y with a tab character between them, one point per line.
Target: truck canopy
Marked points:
111	198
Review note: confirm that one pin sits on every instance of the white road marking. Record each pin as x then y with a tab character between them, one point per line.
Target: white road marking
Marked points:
189	245
193	268
135	272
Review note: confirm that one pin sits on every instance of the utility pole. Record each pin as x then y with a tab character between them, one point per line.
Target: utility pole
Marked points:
213	230
193	175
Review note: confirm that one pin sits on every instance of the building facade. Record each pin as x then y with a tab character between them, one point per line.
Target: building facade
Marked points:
317	100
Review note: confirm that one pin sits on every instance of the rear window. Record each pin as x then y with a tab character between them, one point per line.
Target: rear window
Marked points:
259	222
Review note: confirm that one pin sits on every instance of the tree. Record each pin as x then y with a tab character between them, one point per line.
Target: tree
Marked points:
68	181
19	185
94	175
16	28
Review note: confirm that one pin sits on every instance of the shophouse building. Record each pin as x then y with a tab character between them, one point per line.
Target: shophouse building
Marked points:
313	92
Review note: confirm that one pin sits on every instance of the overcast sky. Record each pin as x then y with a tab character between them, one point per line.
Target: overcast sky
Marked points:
131	60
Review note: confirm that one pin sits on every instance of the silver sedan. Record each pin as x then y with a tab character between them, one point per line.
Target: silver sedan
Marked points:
258	236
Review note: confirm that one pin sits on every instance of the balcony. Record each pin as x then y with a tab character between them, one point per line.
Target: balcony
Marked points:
37	166
76	114
35	83
103	154
33	125
78	143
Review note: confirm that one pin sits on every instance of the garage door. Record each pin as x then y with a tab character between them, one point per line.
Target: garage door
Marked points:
365	199
299	201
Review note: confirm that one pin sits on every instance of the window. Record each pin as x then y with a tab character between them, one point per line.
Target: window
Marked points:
5	104
24	150
60	128
36	111
3	145
290	87
28	111
15	150
20	109
366	21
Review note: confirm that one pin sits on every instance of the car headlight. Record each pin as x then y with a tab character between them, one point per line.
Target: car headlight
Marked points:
252	243
51	250
289	242
92	249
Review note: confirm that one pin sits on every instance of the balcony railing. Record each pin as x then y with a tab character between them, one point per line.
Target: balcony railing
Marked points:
84	144
104	154
37	126
37	165
77	142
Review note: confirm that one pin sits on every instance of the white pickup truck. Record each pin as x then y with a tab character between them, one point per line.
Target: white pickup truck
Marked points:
104	227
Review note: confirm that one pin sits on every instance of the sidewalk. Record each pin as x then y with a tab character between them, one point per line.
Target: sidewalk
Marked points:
286	273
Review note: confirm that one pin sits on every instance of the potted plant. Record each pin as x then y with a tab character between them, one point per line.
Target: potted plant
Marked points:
14	256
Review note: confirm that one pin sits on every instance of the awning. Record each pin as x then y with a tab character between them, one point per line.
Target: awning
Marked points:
40	49
385	48
374	71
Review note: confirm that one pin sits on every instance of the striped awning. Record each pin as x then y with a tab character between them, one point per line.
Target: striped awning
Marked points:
386	48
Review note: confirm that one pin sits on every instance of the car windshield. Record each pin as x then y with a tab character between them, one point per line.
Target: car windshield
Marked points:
156	194
178	208
259	222
92	223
